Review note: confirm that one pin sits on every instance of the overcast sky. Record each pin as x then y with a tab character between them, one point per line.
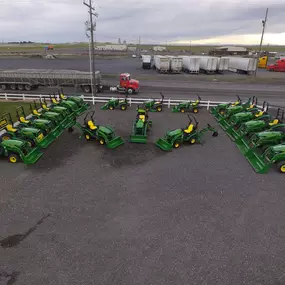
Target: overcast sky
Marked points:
156	21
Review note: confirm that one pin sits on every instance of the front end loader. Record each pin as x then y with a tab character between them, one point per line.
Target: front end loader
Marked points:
154	105
116	103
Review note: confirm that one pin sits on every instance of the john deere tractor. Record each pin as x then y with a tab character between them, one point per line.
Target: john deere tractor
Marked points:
19	150
76	99
140	126
188	106
33	136
154	105
190	134
104	135
221	108
74	108
54	108
112	104
247	129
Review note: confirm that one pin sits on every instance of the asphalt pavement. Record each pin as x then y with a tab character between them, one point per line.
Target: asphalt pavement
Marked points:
138	215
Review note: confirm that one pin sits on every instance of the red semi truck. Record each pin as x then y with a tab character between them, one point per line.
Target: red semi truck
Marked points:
127	85
279	66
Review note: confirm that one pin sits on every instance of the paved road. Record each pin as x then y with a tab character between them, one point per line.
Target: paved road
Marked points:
137	215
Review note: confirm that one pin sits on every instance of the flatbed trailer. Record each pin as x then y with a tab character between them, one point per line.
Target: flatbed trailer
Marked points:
29	79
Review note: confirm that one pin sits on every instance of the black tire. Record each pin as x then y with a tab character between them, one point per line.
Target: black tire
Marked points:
3	86
5	136
20	87
13	158
70	130
87	88
123	107
281	166
28	87
30	141
13	86
130	91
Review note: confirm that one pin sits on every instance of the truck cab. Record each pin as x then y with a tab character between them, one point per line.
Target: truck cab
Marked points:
278	66
128	85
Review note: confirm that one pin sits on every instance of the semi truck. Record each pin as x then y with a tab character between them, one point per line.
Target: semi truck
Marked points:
30	79
146	61
279	66
242	65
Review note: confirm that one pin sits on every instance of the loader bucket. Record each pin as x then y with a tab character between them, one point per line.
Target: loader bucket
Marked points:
138	139
105	106
244	147
257	163
163	144
175	109
46	141
114	143
32	156
233	134
56	132
224	124
81	110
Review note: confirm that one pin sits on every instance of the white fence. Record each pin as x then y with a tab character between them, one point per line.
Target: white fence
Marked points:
168	102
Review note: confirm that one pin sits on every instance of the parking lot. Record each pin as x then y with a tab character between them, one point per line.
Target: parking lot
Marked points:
138	215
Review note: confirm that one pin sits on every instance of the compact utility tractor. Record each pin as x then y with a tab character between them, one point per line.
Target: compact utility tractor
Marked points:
116	103
190	134
76	99
33	136
140	127
154	105
72	107
19	150
54	108
104	135
221	108
188	106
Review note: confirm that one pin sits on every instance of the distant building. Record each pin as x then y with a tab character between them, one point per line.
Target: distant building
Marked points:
113	47
159	48
132	48
229	50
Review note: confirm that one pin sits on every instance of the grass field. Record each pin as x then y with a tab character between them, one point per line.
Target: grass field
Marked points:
10	107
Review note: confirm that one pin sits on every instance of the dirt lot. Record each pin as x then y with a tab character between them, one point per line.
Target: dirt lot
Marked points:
138	215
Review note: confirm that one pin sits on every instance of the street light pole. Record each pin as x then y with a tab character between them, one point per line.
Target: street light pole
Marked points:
92	26
261	40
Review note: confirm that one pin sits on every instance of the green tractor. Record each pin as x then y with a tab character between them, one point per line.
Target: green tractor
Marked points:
247	129
112	104
140	127
154	105
17	150
76	99
72	107
33	136
221	108
188	106
54	108
232	110
104	135
190	134
272	156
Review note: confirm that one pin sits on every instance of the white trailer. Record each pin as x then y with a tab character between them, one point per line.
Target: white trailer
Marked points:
162	64
208	64
223	64
242	65
176	64
191	64
146	61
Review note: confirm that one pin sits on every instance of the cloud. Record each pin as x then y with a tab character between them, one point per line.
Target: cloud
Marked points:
156	21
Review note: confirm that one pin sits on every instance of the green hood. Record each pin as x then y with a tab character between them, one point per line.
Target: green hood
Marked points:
174	132
13	143
269	134
278	148
30	130
251	124
105	130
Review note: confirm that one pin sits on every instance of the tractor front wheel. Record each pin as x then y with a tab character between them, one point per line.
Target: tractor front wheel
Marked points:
111	108
281	166
176	144
101	141
123	107
192	141
195	111
182	110
159	109
13	158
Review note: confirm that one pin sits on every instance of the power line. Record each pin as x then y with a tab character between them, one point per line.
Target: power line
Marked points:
92	27
261	40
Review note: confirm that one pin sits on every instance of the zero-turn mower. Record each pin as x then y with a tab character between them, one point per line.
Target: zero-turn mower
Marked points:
17	150
104	135
33	136
154	105
188	106
140	127
189	134
112	104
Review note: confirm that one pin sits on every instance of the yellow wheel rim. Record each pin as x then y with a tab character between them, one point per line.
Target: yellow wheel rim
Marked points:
4	138
87	137
176	145
282	168
195	110
182	111
158	109
111	108
193	141
13	159
123	108
101	142
222	112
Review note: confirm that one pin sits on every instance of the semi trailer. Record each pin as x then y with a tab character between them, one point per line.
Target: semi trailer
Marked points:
162	63
191	64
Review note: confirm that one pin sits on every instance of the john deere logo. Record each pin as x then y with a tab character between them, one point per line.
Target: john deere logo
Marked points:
3	123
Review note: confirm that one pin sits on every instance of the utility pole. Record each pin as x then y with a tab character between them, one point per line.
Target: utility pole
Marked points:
92	28
261	40
139	47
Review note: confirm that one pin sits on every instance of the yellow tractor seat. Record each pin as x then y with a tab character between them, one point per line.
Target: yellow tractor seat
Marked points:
62	97
35	112
10	128
142	118
91	125
274	122
260	113
23	120
250	107
54	101
189	129
45	107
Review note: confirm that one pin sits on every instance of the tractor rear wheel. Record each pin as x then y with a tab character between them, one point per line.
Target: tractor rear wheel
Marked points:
13	157
281	166
195	111
176	144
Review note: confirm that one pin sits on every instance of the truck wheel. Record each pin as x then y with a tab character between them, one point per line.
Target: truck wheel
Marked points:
87	88
13	157
20	86
28	87
130	91
13	86
3	86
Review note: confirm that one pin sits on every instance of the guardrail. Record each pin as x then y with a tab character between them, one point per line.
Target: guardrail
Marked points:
167	102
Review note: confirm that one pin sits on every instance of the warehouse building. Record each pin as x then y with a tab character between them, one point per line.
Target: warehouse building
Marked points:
159	48
112	47
229	50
